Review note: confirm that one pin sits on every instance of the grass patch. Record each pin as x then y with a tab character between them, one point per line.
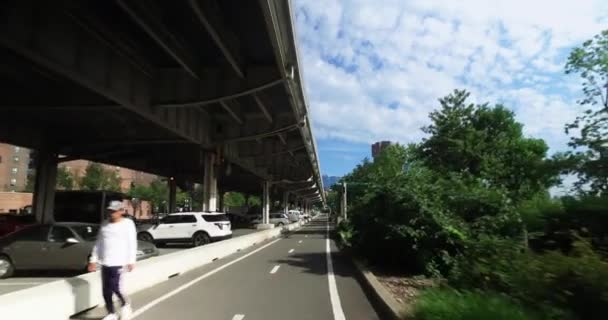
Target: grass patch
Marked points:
448	304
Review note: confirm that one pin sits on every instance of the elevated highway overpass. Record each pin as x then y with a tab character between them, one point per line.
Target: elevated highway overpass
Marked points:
206	92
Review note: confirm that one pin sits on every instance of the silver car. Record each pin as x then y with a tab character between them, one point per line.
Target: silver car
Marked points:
58	246
278	219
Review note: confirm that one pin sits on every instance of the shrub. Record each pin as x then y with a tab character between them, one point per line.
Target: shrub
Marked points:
447	304
346	233
576	283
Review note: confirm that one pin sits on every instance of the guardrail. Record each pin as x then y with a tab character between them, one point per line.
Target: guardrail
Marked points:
63	298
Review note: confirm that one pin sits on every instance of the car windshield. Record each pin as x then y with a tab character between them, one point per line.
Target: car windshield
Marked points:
215	217
87	233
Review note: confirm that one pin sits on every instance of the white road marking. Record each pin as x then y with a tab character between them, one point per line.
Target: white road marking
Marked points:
275	269
168	295
334	297
290	251
20	283
238	317
300	241
306	236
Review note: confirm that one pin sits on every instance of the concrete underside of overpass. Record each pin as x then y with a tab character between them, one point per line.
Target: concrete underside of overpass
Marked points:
158	86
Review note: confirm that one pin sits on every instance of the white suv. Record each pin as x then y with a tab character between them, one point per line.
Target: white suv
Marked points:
199	228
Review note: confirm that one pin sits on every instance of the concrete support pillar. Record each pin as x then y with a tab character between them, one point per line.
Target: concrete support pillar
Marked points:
44	189
210	184
266	203
172	195
265	207
220	199
285	202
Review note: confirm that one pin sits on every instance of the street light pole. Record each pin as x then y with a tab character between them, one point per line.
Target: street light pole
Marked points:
344	213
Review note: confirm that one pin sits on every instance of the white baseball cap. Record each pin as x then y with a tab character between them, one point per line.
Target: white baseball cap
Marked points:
115	206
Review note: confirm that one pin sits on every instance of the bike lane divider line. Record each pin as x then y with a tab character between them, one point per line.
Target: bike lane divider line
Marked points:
336	305
185	286
275	269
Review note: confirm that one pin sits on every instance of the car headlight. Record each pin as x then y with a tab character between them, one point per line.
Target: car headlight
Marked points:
140	253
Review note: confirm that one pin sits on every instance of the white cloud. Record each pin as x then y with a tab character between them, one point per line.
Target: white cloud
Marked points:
396	58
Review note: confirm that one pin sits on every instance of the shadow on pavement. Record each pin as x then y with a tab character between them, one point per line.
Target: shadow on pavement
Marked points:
47	273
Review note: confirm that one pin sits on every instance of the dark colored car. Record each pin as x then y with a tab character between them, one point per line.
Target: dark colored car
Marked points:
10	223
58	246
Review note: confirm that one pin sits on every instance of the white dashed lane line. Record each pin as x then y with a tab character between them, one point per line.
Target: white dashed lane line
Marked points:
290	251
275	269
238	317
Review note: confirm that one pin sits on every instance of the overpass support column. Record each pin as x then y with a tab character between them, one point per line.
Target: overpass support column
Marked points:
286	202
220	200
265	207
44	189
172	194
210	184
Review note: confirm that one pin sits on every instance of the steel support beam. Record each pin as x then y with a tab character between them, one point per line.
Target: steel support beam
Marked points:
154	27
231	112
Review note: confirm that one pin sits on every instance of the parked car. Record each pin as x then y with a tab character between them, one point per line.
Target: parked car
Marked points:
293	215
10	223
278	219
57	246
199	228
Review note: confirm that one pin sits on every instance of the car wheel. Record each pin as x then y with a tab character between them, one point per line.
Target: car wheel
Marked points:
200	239
145	236
6	267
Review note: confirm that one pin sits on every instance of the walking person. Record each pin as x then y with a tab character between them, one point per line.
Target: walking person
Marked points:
115	250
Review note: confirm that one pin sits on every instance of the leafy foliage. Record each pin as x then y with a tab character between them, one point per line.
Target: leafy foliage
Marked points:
471	203
576	283
485	143
96	177
234	199
65	179
441	304
158	193
591	62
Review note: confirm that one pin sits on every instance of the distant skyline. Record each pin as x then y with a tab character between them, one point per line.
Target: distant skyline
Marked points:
373	70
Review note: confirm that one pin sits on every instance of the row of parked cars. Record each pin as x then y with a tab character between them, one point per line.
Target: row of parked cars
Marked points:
280	219
67	243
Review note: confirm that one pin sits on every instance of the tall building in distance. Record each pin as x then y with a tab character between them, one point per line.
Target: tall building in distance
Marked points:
379	146
14	165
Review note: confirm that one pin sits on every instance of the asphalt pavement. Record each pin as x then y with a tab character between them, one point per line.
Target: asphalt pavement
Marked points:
24	280
284	278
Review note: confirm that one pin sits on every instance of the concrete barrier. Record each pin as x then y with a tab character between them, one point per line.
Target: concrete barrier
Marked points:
64	298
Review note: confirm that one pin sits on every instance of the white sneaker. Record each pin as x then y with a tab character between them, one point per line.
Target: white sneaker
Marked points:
125	312
111	316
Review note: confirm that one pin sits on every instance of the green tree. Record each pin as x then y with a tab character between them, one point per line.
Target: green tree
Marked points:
96	177
486	144
254	201
591	61
65	179
234	199
30	183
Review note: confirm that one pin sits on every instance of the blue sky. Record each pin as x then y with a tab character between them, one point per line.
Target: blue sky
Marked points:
373	70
